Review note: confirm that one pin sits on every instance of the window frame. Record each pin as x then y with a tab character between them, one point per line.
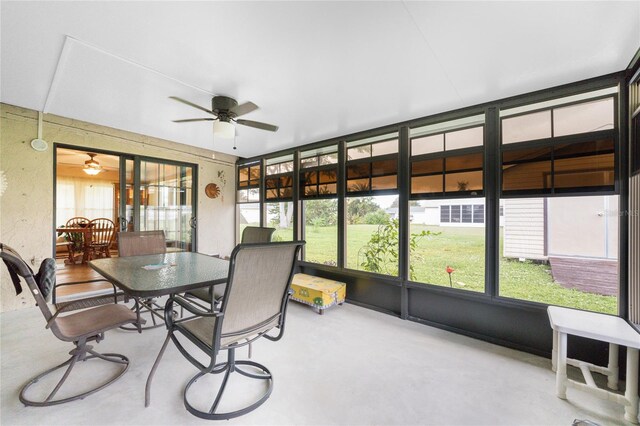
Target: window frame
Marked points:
370	160
553	142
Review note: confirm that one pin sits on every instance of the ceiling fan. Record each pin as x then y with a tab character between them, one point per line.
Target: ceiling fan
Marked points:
225	111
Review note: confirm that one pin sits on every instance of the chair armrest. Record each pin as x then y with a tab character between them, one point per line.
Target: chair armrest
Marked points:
53	291
186	304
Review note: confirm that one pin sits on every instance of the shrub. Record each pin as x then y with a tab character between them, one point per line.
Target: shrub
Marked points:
378	217
381	253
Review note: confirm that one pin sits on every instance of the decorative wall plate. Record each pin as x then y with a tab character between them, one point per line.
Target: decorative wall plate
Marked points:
212	190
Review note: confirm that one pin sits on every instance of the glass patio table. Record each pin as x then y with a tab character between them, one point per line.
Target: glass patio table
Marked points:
145	277
162	274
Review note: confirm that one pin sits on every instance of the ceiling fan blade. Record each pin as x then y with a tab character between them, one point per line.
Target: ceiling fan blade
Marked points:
243	109
258	125
189	120
191	104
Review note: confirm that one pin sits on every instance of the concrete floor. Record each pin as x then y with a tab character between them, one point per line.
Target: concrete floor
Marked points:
350	366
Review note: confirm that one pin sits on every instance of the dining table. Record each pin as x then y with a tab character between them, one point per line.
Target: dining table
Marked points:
151	276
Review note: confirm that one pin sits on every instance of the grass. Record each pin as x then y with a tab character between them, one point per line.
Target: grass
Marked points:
463	250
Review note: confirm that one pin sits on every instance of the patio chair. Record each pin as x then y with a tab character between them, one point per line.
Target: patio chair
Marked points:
255	303
79	328
139	244
250	234
256	234
102	237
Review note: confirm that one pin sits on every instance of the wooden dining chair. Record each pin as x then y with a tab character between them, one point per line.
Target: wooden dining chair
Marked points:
103	232
76	239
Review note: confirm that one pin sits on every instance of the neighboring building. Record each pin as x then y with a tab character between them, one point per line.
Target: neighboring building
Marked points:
537	228
524	228
577	236
460	212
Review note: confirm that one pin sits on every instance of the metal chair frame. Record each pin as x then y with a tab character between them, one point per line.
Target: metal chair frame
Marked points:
81	352
231	365
142	305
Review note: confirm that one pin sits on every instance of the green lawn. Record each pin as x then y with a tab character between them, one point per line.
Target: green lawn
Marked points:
463	250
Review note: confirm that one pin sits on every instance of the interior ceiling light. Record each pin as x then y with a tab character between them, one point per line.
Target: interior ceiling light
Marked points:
224	129
91	166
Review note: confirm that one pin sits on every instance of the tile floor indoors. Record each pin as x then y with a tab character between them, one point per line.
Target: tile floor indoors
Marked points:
350	366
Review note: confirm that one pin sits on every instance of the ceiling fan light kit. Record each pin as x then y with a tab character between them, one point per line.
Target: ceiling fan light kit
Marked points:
91	166
224	129
225	112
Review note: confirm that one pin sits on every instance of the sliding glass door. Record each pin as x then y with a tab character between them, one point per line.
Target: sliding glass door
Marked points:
166	202
135	193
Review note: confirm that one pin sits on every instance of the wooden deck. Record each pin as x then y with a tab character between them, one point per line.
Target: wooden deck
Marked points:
598	276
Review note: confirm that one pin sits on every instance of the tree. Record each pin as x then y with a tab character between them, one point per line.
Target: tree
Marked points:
321	212
412	203
358	208
280	219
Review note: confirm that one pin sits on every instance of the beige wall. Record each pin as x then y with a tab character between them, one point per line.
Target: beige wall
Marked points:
26	207
583	226
524	228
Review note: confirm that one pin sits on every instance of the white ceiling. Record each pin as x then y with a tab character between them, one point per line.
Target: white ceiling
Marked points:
316	69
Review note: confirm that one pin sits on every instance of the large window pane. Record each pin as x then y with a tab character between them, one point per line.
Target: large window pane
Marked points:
384	148
363	151
372	237
527	127
449	243
280	216
321	231
463	173
584	117
249	215
465	138
427	144
561	251
426	176
526	169
587	164
426	184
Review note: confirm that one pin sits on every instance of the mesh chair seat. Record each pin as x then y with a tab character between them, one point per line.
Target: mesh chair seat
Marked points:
202	329
88	323
205	295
